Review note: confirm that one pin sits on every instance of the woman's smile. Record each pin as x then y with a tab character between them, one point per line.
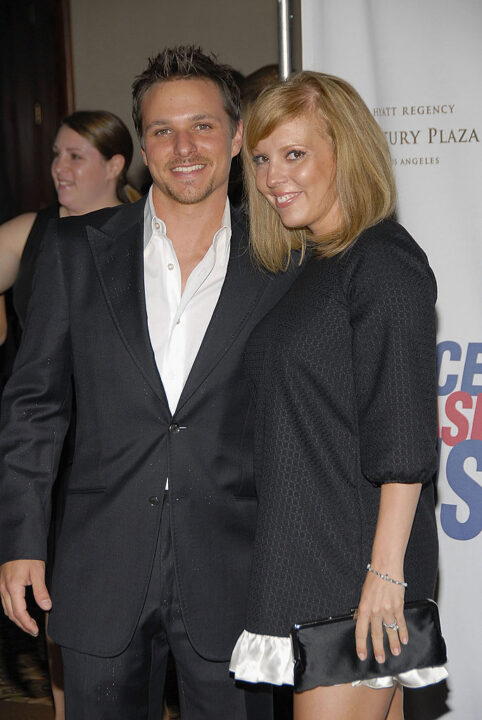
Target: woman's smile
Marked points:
296	173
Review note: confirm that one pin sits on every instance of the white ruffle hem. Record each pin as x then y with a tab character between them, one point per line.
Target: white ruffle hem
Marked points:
269	659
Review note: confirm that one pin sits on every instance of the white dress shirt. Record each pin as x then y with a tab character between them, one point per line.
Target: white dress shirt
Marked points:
178	322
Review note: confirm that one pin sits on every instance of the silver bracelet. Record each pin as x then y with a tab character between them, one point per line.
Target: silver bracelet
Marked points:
386	576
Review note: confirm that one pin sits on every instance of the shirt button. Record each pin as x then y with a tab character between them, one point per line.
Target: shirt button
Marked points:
154	500
170	266
157	226
174	428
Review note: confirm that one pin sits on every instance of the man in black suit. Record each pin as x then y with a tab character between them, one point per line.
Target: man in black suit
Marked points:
147	308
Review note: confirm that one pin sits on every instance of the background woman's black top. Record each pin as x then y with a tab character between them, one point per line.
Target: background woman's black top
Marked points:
23	284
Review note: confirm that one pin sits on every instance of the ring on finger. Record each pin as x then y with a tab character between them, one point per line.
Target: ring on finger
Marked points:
390	626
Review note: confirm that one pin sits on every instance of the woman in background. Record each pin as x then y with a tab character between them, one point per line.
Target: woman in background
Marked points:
343	370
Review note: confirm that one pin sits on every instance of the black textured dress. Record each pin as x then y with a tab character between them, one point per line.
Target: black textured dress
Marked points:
344	373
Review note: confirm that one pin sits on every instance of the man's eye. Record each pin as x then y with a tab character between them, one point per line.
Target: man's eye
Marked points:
162	131
203	126
74	156
295	154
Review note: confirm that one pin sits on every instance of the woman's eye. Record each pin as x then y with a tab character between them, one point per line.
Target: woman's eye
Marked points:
260	159
74	156
295	154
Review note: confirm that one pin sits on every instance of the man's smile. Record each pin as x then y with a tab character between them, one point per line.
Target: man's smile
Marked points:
188	168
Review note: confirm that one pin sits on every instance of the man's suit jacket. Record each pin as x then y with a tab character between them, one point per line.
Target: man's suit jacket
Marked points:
87	321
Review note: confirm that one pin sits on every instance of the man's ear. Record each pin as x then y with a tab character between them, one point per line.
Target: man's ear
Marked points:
144	156
237	140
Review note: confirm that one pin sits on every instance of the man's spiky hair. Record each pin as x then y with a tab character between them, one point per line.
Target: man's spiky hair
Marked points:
186	61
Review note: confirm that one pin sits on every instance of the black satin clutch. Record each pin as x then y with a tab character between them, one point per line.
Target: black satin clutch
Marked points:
325	650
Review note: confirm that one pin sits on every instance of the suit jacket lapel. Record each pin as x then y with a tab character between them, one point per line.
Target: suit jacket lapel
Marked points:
118	249
241	291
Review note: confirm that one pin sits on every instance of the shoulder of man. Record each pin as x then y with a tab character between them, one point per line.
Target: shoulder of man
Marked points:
72	232
120	215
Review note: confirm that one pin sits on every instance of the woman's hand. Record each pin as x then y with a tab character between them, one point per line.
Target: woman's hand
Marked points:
381	602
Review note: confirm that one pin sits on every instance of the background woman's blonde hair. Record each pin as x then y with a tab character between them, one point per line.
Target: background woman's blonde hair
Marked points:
364	178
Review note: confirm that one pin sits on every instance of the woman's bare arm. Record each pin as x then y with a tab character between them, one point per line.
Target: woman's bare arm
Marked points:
13	236
382	600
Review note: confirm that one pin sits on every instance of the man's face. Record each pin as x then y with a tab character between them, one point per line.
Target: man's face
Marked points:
187	138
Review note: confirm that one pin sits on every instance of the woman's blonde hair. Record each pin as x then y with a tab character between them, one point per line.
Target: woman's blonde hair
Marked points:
364	180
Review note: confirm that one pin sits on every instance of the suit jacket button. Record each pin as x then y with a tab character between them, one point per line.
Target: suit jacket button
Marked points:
154	500
174	428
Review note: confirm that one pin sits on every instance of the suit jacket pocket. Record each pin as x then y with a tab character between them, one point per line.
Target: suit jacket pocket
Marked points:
85	490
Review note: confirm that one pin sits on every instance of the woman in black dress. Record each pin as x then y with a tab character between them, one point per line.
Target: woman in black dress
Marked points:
343	371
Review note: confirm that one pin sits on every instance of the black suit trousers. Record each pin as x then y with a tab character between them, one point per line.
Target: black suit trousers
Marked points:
130	686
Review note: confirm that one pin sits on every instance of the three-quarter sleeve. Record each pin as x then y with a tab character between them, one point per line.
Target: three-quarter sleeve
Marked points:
392	295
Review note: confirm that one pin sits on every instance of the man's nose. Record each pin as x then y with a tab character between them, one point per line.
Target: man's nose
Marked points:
185	143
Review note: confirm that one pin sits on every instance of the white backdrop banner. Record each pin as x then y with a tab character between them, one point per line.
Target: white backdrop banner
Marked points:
418	66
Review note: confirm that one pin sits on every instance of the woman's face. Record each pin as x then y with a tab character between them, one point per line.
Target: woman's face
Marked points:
81	174
296	172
